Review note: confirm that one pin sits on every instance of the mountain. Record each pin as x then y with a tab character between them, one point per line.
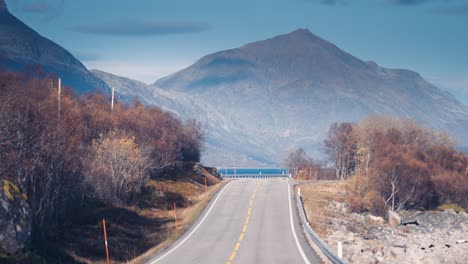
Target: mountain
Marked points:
225	141
285	91
127	89
21	47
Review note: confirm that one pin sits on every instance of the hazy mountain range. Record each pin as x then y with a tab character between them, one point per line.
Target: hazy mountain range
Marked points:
258	101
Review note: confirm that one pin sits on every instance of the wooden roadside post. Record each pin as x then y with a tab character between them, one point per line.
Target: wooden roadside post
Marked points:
112	99
105	240
206	187
59	100
175	217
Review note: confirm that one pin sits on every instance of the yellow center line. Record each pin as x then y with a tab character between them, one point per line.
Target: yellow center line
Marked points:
237	246
244	229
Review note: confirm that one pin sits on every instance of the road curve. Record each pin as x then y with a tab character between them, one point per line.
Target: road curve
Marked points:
250	221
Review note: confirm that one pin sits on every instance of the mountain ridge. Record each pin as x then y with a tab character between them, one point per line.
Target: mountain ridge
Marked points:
22	47
277	87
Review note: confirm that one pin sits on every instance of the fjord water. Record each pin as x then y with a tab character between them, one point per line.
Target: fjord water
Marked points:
240	171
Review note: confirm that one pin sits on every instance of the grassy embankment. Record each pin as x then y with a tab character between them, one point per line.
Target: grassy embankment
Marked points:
134	233
316	196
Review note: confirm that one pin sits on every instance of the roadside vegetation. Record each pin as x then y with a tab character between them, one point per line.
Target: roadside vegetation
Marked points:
390	163
76	161
388	168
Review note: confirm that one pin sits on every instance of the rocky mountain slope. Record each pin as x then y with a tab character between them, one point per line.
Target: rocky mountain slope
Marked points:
21	47
226	143
285	91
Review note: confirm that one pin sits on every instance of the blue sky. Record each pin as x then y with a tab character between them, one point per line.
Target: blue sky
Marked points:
146	40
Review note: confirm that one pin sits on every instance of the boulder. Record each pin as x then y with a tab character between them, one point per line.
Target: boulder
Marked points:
15	224
393	218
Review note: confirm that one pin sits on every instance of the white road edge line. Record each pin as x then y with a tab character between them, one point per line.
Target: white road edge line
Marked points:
195	229
292	227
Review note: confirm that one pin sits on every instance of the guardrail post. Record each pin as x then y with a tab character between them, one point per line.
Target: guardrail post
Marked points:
340	249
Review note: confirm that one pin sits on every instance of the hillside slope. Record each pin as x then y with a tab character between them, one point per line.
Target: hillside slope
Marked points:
226	144
22	47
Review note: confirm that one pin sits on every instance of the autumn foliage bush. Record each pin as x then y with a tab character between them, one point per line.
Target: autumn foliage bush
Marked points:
115	167
395	163
61	155
301	166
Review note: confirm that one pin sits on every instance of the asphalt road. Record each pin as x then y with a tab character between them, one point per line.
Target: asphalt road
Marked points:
250	221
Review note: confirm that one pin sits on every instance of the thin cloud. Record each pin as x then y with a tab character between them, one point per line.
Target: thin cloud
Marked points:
48	10
333	2
330	2
387	2
455	10
39	7
140	28
406	2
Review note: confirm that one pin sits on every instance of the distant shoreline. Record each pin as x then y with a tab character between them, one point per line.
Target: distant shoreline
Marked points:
225	171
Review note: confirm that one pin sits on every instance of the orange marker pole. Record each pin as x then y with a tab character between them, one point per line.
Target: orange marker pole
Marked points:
105	240
175	217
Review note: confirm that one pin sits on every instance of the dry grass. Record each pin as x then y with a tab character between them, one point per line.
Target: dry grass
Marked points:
151	230
135	233
187	217
316	196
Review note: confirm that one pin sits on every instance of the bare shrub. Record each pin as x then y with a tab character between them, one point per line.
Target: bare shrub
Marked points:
356	204
302	166
374	203
340	146
115	167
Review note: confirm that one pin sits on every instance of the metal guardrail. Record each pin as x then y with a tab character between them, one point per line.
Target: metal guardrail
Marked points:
254	176
314	237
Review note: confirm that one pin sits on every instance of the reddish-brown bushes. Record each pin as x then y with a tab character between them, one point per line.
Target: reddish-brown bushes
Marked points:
398	163
302	166
50	151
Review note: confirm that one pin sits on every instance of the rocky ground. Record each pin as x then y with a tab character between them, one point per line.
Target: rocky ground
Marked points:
432	237
424	237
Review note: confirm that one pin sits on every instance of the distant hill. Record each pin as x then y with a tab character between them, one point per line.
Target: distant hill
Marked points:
21	47
285	91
